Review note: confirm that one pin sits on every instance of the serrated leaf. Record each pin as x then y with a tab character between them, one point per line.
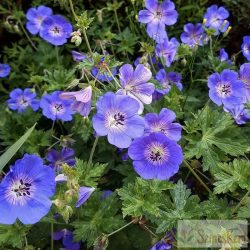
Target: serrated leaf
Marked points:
143	197
183	206
213	135
232	175
89	174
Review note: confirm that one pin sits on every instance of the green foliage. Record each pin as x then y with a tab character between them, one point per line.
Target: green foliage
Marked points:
89	174
97	217
232	175
244	211
182	205
213	136
127	41
11	151
143	197
12	236
216	208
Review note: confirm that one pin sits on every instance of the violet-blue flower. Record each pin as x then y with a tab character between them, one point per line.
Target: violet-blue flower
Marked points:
245	78
155	156
240	114
167	50
57	158
55	108
4	70
78	56
84	194
35	17
25	191
245	47
167	80
55	29
215	18
157	16
81	100
67	239
193	35
161	245
117	118
135	83
163	123
20	100
225	88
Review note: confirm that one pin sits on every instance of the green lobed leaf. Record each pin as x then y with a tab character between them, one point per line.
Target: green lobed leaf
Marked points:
232	175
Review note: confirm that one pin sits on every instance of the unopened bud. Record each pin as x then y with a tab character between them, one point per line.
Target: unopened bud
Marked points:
99	15
227	31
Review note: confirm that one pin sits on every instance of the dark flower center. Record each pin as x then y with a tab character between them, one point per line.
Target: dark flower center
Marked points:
224	90
56	30
58	107
119	119
21	188
23	102
155	156
156	153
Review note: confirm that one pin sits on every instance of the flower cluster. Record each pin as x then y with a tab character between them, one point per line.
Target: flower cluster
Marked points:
54	29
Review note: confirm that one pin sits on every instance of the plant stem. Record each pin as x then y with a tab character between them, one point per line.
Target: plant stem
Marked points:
83	30
87	41
116	81
93	151
52	232
57	56
117	21
121	228
197	176
72	9
28	37
241	201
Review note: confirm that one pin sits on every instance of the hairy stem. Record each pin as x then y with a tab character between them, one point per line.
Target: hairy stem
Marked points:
121	228
93	150
27	35
197	176
241	201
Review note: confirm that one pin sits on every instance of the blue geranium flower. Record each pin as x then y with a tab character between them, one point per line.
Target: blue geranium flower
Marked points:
215	18
223	55
135	84
55	108
55	29
167	50
155	156
56	158
157	16
117	117
225	88
240	114
245	78
84	194
81	100
166	243
164	123
35	18
4	70
245	47
20	100
78	56
67	239
25	191
167	80
193	35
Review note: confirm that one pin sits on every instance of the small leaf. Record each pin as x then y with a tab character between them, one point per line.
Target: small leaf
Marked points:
5	157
